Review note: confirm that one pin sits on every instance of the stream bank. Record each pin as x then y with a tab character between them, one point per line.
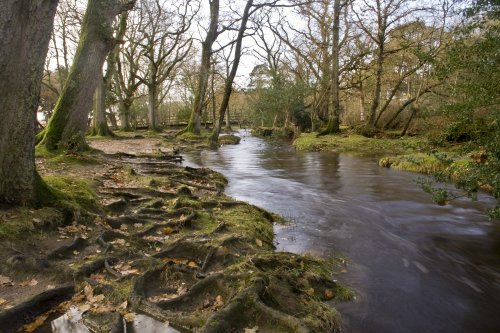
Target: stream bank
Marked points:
146	235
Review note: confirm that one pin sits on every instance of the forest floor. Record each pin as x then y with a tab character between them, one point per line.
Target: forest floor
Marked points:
137	233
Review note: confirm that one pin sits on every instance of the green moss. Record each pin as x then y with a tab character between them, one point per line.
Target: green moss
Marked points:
189	136
323	318
78	193
121	291
42	152
229	139
459	169
56	157
247	220
343	293
205	223
22	222
420	162
183	201
359	144
450	166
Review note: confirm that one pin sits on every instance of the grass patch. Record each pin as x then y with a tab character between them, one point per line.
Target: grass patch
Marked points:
19	222
247	220
58	157
359	144
449	166
420	162
229	139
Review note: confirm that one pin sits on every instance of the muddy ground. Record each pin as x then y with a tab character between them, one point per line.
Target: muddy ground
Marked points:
138	233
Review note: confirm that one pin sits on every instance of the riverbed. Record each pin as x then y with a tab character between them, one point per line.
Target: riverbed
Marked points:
414	266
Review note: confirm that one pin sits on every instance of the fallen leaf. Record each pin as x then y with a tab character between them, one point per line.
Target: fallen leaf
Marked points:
5	280
329	294
30	283
50	287
102	309
34	325
252	330
88	291
168	230
97	299
155	238
119	241
84	307
192	264
129	317
124	305
2	301
310	291
218	301
258	242
129	271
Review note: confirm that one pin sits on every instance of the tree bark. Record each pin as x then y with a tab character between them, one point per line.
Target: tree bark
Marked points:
333	125
378	85
100	123
67	126
228	120
152	103
194	125
124	114
228	87
100	126
25	29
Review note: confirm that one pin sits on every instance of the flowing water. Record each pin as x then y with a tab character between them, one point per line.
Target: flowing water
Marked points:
415	266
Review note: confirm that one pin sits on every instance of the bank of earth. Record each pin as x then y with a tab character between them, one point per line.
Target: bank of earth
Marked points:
134	232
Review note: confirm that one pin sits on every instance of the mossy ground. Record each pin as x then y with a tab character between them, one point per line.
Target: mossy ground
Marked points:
355	143
141	233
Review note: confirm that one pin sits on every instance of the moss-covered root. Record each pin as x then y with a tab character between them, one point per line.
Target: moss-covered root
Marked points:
236	313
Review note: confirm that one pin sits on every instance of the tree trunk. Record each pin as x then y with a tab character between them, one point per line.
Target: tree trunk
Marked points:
123	109
228	120
100	123
194	125
68	124
333	125
152	102
361	102
378	86
112	119
228	87
100	126
25	28
414	110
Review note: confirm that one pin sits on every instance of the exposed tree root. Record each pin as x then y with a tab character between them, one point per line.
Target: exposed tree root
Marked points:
204	263
12	319
66	250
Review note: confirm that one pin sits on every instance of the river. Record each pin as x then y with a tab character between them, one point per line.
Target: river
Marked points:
414	266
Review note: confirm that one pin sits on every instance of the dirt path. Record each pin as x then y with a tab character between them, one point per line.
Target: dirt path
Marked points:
162	240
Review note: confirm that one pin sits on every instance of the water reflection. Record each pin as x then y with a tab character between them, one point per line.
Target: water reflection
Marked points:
417	267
